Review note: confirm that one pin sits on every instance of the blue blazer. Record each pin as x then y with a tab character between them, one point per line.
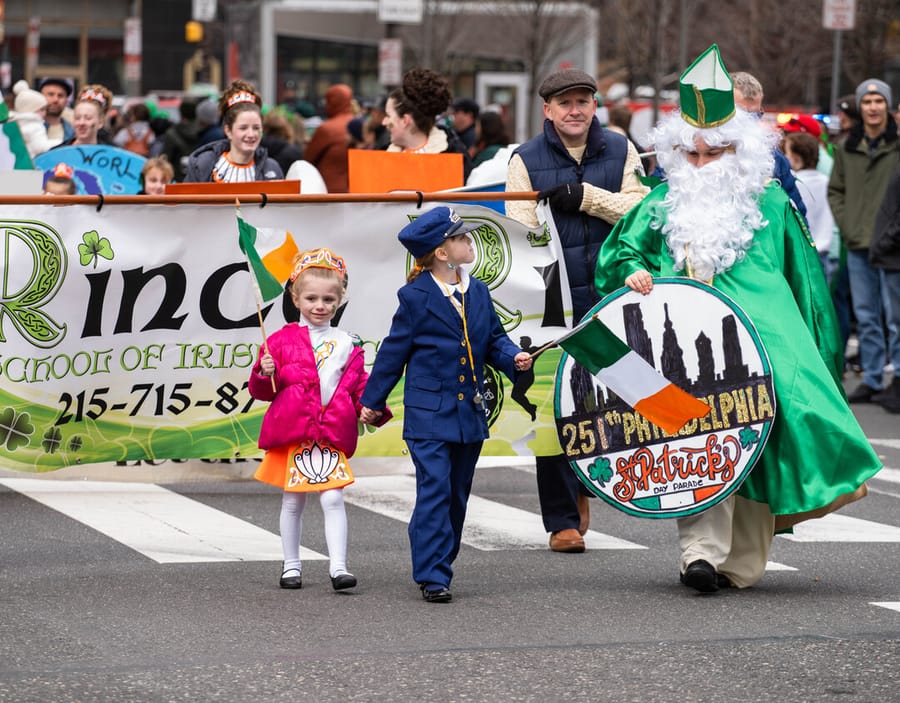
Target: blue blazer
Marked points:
426	338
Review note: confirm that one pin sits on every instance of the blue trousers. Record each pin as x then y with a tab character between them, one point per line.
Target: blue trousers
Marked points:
444	473
869	293
891	280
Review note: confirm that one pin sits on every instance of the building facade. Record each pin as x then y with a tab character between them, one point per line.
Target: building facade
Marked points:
295	49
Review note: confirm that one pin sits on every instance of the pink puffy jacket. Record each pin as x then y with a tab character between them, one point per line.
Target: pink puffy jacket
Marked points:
296	412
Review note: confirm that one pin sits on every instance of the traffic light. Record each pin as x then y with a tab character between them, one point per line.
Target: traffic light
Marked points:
193	32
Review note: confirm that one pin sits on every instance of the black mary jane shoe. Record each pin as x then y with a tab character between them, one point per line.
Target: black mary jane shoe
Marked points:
343	581
291	581
437	595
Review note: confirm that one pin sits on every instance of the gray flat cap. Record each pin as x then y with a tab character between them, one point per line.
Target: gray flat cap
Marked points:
567	79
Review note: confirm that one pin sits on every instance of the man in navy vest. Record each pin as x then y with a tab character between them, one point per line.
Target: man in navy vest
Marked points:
589	176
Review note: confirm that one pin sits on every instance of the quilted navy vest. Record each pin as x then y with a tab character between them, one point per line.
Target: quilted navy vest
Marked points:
581	235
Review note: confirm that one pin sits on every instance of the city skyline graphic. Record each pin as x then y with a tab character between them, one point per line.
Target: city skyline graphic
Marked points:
715	373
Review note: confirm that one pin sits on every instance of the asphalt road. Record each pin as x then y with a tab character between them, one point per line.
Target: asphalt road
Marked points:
86	618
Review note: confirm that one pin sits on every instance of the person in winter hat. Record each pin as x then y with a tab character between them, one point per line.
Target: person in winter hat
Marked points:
28	113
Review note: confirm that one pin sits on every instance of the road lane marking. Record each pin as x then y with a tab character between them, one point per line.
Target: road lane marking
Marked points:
842	528
890	605
490	526
160	524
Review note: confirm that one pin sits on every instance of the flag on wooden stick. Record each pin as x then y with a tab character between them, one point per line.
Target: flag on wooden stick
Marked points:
270	254
596	347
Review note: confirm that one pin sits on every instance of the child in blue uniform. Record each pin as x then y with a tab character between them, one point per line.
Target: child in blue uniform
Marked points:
444	331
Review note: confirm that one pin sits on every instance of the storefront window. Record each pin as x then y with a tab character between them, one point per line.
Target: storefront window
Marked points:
308	67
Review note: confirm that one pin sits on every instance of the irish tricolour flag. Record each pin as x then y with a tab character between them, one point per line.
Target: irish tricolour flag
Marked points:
270	253
593	345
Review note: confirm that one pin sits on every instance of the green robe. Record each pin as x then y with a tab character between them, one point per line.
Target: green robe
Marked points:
816	450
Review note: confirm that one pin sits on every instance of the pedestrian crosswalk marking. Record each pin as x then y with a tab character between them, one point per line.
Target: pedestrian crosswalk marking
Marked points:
775	566
489	526
887	474
160	524
887	442
170	528
842	528
890	605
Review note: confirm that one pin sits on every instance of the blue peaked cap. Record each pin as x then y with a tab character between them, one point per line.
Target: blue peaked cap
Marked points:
428	231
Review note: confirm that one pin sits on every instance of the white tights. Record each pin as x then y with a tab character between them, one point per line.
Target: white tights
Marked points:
291	525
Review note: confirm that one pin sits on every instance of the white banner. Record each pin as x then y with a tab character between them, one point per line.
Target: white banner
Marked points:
129	333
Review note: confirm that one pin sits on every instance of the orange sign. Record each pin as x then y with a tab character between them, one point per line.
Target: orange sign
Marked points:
383	172
267	187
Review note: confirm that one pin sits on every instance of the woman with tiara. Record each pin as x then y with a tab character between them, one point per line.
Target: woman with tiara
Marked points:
90	111
238	158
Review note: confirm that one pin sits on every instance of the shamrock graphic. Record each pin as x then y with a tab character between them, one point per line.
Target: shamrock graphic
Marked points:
94	247
75	444
52	439
15	429
748	437
600	470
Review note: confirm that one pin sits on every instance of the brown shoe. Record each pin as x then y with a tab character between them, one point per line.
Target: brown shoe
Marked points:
567	541
584	512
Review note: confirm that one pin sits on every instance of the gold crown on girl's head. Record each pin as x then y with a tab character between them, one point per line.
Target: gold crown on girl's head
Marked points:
318	259
92	94
241	97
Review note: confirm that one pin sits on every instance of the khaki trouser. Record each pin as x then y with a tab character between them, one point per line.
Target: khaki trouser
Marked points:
784	522
734	536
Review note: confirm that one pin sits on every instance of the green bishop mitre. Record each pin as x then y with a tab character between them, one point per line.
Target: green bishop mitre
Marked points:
706	90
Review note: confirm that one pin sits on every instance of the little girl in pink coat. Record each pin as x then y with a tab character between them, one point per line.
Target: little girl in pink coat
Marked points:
310	429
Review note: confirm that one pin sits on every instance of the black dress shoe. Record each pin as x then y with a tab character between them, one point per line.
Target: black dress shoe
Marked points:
291	581
342	581
701	576
438	595
863	393
722	581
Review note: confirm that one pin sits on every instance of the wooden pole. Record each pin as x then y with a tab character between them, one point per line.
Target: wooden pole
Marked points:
548	345
406	196
262	325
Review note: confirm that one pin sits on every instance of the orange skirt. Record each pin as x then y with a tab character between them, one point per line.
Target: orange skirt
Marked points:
305	467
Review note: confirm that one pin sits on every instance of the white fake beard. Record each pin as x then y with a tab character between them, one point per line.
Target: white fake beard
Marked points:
712	213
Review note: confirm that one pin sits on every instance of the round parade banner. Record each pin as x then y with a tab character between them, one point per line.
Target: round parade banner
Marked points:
686	342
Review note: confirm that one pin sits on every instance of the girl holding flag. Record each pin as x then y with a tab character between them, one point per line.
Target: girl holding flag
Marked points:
314	375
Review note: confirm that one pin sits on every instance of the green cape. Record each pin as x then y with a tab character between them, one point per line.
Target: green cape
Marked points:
817	450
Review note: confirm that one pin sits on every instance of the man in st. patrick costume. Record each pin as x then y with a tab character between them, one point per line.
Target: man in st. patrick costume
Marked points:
721	219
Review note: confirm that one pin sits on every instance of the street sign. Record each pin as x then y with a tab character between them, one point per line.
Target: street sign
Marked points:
400	11
839	14
390	62
203	10
132	46
32	44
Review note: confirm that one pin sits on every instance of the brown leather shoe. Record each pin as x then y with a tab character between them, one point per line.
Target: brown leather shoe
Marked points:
567	541
584	512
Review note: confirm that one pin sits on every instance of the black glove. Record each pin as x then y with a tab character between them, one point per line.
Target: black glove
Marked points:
565	198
